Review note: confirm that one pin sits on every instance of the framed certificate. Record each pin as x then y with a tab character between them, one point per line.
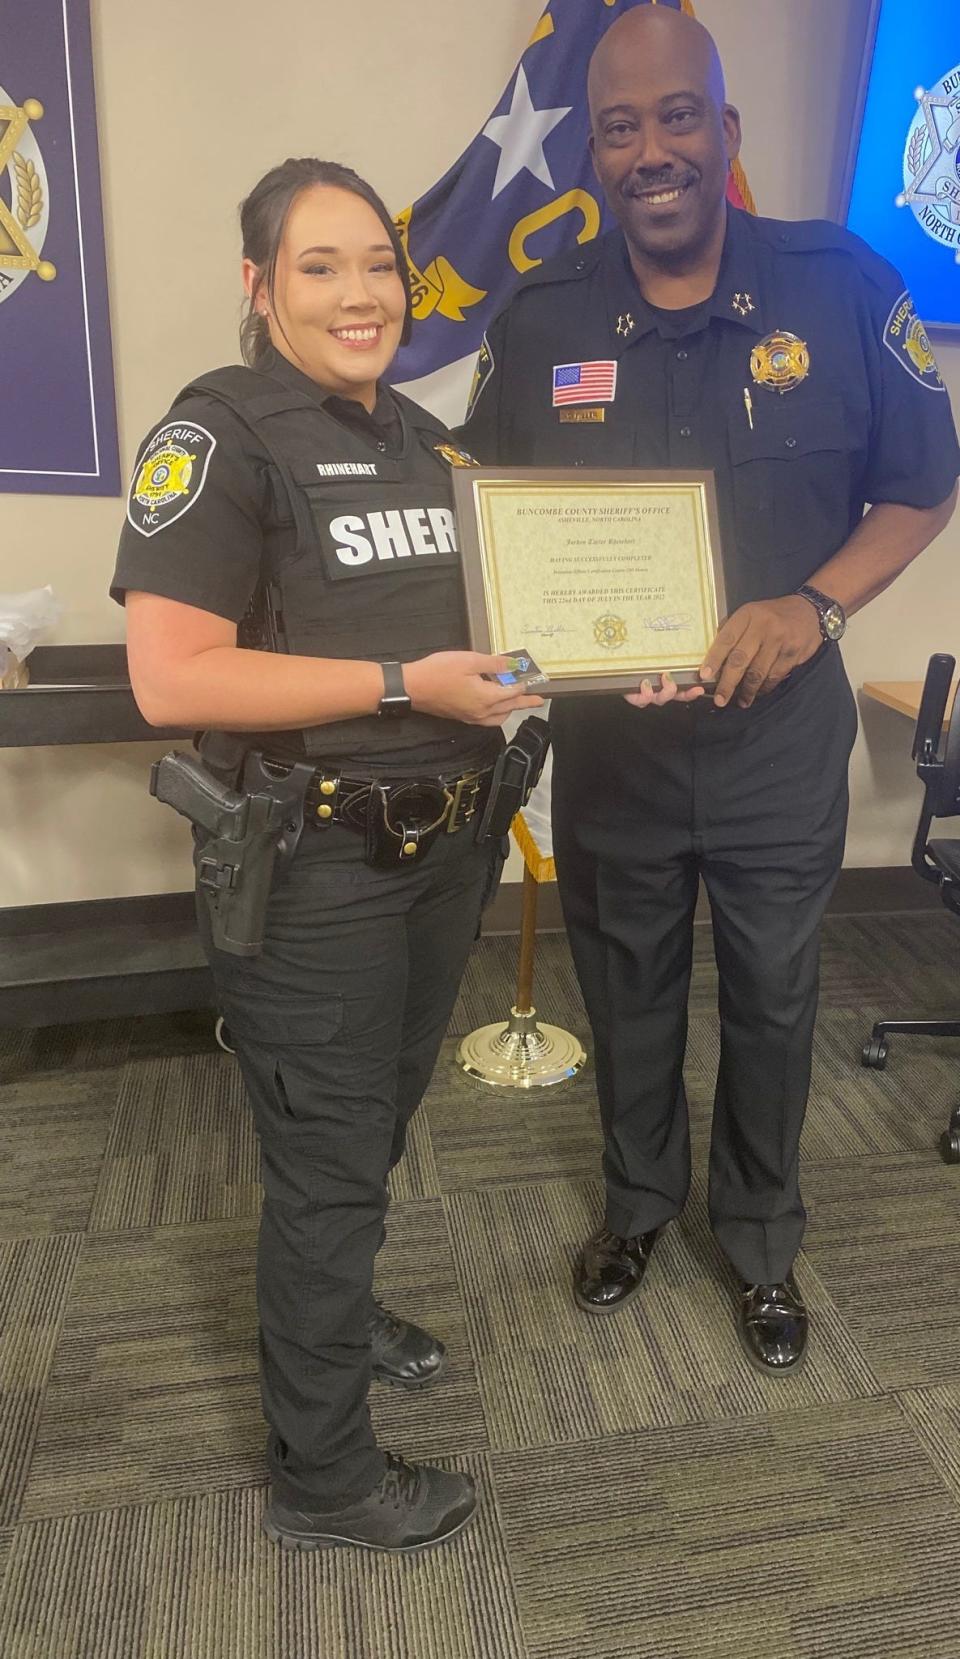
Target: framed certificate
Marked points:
602	576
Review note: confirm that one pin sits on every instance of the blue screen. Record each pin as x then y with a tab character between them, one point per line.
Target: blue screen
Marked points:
905	197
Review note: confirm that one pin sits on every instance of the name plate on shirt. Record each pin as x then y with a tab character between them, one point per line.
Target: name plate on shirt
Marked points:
604	576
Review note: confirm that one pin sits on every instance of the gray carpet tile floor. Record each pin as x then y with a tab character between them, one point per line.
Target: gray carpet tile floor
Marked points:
645	1493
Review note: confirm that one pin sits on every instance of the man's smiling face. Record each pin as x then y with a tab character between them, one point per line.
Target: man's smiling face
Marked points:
662	137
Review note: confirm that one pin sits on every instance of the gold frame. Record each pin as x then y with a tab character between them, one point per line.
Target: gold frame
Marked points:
487	603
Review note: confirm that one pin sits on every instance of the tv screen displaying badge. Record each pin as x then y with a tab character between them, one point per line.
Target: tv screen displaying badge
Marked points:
904	196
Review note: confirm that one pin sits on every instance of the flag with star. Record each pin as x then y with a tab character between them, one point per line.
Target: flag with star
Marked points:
521	192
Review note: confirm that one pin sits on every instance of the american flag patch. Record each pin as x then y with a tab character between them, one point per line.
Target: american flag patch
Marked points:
584	383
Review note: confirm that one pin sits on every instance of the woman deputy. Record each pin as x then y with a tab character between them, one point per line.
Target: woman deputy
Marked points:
291	575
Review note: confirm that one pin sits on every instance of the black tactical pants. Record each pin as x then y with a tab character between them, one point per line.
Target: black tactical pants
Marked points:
755	801
337	1027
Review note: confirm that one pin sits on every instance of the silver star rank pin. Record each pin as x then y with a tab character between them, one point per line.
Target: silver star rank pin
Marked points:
743	304
625	324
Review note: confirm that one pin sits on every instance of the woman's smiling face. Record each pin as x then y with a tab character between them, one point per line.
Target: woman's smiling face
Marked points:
338	304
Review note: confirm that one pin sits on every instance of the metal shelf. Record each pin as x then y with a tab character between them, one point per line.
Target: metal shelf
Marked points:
91	959
77	694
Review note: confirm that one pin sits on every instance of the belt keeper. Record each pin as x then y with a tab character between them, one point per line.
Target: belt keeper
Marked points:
326	792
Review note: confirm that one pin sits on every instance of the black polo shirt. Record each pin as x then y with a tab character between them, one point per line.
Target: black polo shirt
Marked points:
863	418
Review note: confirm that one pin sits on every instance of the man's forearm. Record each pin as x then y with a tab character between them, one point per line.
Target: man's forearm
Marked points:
887	539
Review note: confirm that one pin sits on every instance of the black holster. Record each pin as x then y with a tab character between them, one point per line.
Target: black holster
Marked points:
515	777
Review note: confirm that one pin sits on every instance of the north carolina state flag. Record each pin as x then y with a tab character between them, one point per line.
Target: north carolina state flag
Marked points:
523	190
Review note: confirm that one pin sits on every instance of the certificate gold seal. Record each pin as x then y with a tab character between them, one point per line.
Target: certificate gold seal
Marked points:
780	362
610	632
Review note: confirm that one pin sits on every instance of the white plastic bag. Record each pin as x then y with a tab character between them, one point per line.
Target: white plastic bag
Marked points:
25	619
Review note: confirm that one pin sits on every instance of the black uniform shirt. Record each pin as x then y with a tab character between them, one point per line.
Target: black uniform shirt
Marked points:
865	417
213	558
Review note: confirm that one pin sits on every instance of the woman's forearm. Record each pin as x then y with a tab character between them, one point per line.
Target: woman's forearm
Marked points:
234	689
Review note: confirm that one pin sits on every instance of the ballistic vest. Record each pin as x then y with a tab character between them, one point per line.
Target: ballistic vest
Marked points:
361	558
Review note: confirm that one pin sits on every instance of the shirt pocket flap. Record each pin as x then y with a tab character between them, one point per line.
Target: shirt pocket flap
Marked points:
785	430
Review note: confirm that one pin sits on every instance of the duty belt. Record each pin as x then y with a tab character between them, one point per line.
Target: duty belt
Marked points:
399	817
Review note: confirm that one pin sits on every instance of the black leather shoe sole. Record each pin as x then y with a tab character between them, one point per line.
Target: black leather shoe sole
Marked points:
307	1541
413	1384
606	1309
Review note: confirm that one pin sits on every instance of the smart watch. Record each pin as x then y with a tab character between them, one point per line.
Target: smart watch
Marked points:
833	617
395	702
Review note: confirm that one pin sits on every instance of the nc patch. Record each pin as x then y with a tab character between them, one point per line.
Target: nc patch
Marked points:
170	475
906	337
481	375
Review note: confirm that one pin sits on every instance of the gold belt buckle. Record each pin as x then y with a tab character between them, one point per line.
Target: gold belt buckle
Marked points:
469	782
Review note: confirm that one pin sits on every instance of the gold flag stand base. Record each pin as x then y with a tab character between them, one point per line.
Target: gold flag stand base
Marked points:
525	1053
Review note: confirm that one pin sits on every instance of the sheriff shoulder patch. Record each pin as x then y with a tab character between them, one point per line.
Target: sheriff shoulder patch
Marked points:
169	475
907	338
481	375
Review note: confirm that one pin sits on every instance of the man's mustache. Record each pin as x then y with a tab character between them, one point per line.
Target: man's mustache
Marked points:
640	184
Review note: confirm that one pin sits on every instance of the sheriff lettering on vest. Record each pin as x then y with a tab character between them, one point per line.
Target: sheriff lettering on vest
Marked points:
291	573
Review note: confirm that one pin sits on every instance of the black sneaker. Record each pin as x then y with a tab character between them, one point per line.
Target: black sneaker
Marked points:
404	1355
414	1506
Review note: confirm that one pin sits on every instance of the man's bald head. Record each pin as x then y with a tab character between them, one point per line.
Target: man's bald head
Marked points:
662	134
661	41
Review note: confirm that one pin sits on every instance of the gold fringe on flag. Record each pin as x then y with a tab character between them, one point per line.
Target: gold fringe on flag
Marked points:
746	194
541	868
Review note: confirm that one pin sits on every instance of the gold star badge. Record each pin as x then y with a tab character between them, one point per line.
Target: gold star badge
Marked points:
780	362
16	250
625	324
743	304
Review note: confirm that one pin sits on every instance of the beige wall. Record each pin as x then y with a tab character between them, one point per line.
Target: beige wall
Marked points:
397	91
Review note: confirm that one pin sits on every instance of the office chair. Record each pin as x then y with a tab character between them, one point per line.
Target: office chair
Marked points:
938	768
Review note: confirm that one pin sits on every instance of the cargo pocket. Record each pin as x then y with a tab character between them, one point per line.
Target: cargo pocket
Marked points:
300	1043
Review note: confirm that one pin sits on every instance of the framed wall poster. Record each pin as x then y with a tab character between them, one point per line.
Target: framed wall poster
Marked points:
59	432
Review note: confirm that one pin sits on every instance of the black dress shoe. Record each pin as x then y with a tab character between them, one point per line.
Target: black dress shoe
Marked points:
772	1324
611	1269
414	1506
403	1355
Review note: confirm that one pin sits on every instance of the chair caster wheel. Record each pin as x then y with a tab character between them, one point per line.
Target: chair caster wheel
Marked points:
874	1054
222	1033
950	1146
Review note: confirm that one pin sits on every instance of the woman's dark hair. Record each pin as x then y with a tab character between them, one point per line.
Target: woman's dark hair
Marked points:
263	216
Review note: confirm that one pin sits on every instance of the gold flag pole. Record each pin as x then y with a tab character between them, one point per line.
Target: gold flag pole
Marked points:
525	1053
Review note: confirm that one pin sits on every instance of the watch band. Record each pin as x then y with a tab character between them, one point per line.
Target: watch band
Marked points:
830	613
395	702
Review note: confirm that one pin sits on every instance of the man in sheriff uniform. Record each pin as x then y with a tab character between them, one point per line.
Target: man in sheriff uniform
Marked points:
789	359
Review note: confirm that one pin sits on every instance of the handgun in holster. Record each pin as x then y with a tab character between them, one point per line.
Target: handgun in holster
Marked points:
246	829
515	777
